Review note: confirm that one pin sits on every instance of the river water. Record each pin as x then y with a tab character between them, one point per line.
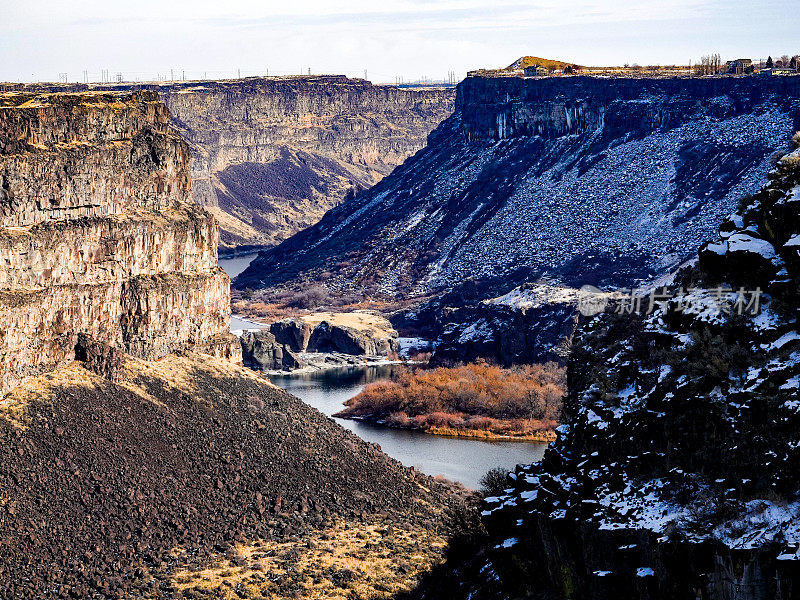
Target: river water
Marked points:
458	459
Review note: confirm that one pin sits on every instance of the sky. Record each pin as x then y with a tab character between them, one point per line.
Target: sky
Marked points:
77	39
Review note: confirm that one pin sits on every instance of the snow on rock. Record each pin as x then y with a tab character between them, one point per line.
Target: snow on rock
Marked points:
740	242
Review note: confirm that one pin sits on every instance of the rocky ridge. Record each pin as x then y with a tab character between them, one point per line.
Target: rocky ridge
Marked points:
98	236
329	338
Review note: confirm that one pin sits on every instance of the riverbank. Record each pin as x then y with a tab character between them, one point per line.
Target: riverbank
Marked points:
488	435
462	459
318	362
485	434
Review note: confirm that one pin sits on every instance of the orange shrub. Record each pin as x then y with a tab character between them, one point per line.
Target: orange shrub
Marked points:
475	396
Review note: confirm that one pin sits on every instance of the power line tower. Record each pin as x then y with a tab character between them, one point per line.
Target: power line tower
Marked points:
62	77
119	77
85	76
365	74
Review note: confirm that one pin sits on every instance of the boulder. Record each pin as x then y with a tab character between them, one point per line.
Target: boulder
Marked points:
260	350
293	333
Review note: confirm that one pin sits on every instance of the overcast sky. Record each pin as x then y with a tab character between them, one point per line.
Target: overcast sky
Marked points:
389	38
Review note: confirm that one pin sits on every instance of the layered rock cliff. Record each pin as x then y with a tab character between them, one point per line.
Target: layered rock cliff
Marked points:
271	155
98	237
585	180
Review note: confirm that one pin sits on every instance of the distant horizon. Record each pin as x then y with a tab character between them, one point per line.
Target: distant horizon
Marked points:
48	41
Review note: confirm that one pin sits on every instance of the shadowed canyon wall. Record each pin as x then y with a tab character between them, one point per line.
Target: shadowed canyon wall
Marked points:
583	180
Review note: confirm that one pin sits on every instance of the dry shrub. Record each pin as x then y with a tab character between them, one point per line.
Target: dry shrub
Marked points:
477	396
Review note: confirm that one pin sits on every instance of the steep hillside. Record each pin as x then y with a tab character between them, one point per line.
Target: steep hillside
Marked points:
271	155
137	460
98	237
676	472
584	180
192	478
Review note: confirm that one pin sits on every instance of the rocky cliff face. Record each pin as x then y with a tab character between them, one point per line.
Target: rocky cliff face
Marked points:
97	234
676	473
340	338
271	155
585	180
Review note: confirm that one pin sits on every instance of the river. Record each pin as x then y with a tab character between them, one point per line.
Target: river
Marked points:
462	460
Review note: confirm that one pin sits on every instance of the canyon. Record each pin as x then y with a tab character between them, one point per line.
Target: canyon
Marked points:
140	459
271	155
582	180
554	183
137	454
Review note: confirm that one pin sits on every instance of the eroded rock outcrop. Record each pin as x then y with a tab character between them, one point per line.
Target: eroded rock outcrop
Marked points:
295	342
98	238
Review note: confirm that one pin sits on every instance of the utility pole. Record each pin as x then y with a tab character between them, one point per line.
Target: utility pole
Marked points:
365	74
171	76
183	75
309	70
239	73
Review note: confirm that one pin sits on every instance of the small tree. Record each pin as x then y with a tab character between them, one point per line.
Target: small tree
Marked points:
494	482
769	62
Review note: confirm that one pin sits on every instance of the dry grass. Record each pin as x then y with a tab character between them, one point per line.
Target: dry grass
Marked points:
346	561
13	405
513	433
361	321
175	370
